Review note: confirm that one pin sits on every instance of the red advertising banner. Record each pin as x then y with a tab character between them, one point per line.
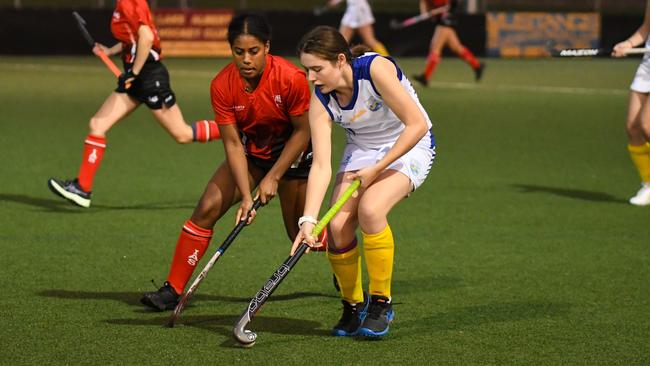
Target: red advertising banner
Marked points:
193	32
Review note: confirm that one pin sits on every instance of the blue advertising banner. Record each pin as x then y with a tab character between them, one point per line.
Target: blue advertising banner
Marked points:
535	34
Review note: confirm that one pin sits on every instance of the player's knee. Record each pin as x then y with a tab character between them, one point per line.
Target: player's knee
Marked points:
369	213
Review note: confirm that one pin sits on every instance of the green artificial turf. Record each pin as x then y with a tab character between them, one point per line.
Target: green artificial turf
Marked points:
520	248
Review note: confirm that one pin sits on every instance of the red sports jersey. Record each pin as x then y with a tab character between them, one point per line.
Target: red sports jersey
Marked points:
263	115
127	18
432	4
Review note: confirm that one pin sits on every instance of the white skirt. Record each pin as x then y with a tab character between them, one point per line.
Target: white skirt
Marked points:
641	82
415	164
357	14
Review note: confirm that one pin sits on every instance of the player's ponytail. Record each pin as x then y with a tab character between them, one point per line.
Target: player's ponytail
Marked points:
325	42
359	49
253	24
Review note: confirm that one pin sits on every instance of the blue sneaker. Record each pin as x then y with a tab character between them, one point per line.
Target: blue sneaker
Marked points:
351	319
70	190
377	321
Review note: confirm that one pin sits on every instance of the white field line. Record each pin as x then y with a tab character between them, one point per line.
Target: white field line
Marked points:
436	84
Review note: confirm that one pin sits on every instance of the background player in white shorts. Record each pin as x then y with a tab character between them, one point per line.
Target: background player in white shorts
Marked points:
638	111
390	149
358	17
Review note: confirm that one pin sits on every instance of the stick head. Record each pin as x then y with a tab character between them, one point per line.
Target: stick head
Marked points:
245	338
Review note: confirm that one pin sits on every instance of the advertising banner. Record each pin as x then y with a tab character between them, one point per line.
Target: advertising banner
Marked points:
535	34
193	32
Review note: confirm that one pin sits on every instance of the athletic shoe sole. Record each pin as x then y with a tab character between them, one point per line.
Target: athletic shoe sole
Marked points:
76	199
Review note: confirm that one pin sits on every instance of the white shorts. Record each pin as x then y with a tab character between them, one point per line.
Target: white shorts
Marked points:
357	14
415	164
641	82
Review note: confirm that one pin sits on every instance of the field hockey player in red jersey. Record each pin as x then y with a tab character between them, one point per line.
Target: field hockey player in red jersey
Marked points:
389	148
261	105
445	35
638	112
144	80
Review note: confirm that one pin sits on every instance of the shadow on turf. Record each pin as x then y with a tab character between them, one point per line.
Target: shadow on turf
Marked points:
571	193
473	316
133	298
61	206
223	324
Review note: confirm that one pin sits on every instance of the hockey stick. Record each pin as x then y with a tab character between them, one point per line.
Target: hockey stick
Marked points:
595	52
197	281
246	337
81	23
396	24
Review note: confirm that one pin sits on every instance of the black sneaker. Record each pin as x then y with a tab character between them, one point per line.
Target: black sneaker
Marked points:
380	315
421	79
351	319
70	190
478	72
165	298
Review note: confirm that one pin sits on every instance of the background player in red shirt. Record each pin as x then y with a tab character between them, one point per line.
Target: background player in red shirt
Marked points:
445	35
144	80
260	103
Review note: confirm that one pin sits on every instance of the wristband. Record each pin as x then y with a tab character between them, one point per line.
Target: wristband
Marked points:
309	219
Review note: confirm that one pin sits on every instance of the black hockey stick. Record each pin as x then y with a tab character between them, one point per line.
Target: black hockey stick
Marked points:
246	337
197	281
81	23
595	52
397	24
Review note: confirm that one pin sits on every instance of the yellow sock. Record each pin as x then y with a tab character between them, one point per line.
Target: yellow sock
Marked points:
379	251
347	268
640	155
380	49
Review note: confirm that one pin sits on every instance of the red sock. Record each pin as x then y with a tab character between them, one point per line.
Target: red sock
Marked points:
94	147
205	131
432	61
468	57
190	248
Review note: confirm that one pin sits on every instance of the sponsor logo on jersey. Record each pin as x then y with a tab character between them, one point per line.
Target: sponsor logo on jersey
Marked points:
373	104
358	115
278	100
238	108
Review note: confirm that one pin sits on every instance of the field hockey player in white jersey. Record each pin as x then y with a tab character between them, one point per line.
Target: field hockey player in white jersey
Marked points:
389	148
638	111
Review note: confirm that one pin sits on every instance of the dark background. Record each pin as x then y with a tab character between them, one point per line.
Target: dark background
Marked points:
54	32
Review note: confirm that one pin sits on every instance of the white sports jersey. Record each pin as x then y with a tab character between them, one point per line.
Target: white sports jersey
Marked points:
369	123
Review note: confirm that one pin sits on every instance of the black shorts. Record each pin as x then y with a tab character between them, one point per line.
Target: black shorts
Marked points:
295	171
151	87
447	20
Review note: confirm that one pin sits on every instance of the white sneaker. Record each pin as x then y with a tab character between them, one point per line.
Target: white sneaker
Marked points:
642	197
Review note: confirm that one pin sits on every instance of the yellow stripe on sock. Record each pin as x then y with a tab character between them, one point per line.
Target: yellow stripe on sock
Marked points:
379	251
347	268
640	155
